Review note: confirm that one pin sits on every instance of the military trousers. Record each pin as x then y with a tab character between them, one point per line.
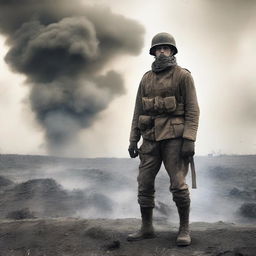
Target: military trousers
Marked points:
152	154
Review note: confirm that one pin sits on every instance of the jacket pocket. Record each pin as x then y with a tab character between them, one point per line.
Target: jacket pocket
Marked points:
145	122
178	124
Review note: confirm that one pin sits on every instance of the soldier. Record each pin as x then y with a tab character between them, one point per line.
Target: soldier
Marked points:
166	115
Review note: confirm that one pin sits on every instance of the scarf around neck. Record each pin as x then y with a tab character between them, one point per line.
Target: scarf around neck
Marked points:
162	62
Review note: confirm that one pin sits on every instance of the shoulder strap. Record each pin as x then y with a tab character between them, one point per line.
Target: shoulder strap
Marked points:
177	75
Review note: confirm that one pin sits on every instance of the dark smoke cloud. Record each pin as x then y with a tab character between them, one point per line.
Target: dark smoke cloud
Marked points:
63	48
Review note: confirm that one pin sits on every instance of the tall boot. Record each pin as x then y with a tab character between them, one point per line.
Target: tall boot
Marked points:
146	230
183	238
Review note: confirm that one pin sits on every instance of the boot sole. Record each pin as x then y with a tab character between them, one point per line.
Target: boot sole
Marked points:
131	239
183	243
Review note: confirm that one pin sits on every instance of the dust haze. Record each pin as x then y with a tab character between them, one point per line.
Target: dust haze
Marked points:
107	188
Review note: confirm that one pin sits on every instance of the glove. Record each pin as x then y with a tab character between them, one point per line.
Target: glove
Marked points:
188	148
133	149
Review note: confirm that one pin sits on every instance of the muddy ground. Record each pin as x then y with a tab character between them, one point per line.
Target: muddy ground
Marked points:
81	237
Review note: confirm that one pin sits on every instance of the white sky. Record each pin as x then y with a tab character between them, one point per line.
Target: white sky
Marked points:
216	42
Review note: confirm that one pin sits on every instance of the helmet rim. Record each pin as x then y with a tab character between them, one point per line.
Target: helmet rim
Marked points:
163	38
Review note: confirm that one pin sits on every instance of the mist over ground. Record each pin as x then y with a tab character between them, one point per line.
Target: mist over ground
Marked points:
107	188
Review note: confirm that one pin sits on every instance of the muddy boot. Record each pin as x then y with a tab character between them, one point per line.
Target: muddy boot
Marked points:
183	238
146	230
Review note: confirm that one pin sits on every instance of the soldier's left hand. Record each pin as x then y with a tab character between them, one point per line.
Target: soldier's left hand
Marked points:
133	149
188	148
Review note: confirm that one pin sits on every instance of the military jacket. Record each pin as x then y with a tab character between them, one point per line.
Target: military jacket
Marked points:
166	106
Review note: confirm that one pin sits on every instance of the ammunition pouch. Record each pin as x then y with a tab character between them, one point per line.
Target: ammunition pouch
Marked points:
170	104
163	119
159	104
148	104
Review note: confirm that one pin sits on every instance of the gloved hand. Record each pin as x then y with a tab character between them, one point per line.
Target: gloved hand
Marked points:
133	149
188	148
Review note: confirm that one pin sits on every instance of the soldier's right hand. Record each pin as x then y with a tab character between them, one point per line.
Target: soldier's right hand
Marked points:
188	148
133	149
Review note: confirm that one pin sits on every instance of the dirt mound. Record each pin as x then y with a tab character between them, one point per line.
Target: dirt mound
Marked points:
248	210
242	194
43	188
96	232
5	182
44	197
24	213
47	198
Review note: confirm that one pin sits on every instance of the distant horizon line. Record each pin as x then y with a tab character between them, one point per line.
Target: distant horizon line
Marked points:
101	157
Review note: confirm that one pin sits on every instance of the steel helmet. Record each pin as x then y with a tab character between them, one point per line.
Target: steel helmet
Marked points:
163	39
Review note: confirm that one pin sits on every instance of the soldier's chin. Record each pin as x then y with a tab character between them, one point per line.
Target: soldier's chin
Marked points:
162	55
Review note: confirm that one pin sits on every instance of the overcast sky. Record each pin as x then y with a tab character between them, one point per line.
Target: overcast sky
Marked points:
216	41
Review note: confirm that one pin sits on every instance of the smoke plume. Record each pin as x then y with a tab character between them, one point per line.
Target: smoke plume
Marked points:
64	49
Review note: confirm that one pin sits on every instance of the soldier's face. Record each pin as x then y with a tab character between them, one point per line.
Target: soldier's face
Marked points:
163	49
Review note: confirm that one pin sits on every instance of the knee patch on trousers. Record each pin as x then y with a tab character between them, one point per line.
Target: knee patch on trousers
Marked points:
181	198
